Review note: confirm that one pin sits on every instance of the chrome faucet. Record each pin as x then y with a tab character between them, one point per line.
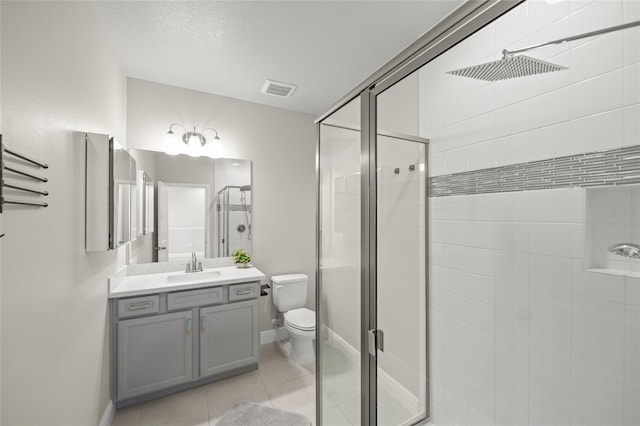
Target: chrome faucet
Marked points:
194	266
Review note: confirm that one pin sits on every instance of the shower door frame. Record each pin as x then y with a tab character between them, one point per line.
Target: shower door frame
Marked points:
460	24
369	263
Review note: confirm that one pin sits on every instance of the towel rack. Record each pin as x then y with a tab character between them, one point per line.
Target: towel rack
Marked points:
24	203
4	184
23	173
22	188
15	154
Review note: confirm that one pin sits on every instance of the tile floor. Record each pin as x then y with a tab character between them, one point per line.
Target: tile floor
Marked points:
341	393
277	383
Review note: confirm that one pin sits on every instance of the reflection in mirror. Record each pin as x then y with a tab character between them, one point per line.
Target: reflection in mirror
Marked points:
133	194
123	210
186	229
144	187
233	206
141	202
201	205
149	202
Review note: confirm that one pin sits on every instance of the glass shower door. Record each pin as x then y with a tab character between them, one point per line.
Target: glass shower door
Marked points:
339	322
401	281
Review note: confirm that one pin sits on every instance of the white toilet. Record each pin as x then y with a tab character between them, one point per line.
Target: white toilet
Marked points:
289	297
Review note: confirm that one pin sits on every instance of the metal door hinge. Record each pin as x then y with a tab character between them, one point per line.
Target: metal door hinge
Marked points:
376	341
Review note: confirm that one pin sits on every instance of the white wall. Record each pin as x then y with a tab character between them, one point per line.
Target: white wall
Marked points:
58	76
0	225
281	145
521	332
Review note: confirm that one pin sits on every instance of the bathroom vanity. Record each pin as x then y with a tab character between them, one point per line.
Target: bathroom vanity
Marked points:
174	330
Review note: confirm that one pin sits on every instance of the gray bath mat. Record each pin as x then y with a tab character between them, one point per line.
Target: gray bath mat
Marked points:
250	414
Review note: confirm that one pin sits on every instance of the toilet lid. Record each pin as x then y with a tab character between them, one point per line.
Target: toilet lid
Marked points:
302	319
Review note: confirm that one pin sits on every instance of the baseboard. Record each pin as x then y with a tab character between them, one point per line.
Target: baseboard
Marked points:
407	399
107	416
270	336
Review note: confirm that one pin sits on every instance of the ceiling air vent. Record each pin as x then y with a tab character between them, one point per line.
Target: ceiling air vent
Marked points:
279	89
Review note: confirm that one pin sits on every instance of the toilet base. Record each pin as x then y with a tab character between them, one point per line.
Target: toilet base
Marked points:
300	351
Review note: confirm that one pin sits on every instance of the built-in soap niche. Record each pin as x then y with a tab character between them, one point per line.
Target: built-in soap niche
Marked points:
612	219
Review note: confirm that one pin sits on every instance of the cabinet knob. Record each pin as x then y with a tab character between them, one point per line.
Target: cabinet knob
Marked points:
188	327
202	323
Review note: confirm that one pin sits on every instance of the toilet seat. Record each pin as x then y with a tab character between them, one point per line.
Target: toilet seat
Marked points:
301	319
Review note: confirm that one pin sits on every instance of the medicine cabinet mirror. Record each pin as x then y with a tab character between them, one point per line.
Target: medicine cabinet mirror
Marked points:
111	204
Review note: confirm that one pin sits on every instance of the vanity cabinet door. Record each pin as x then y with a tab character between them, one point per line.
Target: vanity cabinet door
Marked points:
229	337
154	353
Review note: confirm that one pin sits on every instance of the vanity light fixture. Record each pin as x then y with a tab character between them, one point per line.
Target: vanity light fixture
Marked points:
195	142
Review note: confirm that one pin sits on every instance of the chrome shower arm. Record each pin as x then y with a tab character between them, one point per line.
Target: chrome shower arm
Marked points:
506	53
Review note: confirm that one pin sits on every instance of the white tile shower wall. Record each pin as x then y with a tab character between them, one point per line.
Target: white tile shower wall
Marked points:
521	332
524	336
592	105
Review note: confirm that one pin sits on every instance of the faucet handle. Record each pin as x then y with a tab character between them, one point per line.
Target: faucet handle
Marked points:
199	266
188	267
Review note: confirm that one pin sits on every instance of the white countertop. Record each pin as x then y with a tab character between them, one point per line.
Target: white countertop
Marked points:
135	285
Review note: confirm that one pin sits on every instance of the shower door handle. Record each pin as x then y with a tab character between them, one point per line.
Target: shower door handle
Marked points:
376	341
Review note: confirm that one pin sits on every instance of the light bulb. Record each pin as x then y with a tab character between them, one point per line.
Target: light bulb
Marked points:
193	146
217	148
170	139
171	143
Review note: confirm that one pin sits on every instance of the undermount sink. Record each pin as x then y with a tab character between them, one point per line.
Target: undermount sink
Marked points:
194	277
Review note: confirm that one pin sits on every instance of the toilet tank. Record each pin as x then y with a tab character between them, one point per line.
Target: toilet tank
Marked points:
289	291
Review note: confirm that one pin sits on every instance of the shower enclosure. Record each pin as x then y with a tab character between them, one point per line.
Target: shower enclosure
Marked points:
233	219
478	238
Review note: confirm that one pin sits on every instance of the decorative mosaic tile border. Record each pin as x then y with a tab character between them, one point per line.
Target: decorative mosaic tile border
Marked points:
612	167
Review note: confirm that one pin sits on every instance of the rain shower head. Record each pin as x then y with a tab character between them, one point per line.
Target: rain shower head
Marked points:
626	250
244	188
511	66
507	67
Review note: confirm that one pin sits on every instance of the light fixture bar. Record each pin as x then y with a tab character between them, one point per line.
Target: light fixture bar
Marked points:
192	139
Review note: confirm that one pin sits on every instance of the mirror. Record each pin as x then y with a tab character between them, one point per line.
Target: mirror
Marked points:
124	202
149	200
145	216
200	205
233	206
110	192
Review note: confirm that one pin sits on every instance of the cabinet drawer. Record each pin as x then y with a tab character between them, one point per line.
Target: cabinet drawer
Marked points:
192	298
135	306
244	291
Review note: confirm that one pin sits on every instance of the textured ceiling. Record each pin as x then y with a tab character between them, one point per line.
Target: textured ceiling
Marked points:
230	48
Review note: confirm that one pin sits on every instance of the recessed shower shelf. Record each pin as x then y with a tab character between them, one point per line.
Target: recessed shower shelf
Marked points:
613	230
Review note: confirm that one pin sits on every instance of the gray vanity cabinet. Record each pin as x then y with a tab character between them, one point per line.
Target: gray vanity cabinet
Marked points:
229	337
167	342
154	352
